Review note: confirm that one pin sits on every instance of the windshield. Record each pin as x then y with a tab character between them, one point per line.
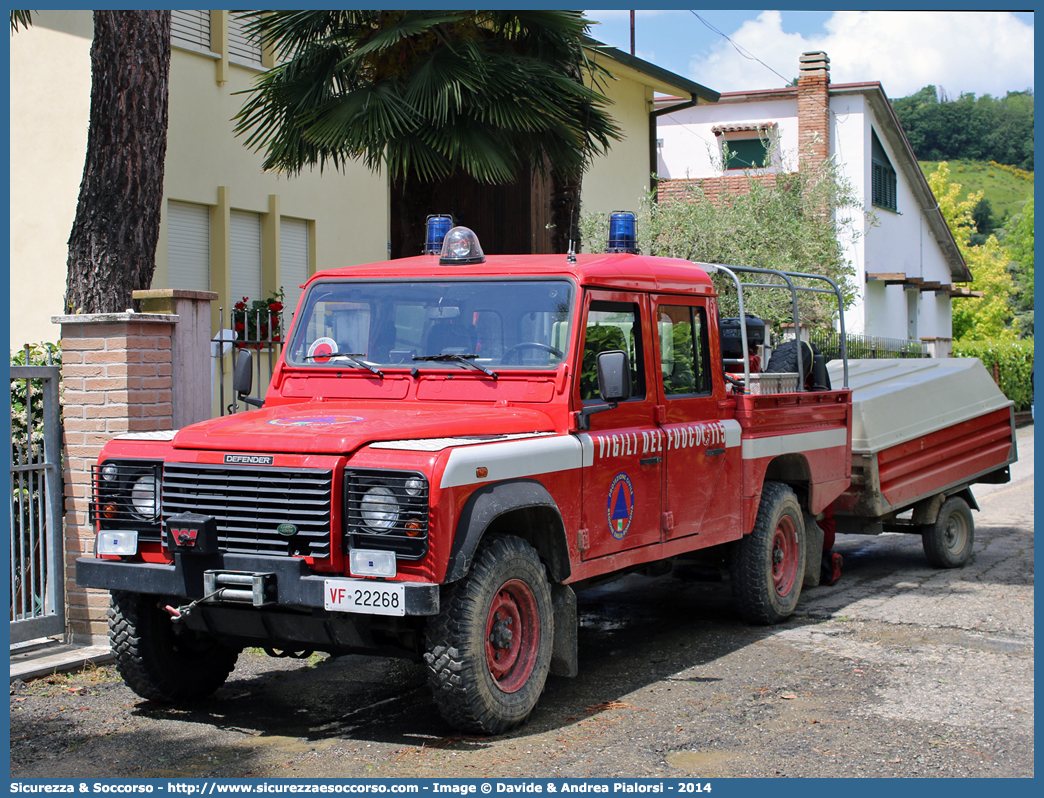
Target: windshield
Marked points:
503	324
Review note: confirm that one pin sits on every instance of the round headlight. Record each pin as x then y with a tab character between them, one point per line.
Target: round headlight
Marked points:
109	471
143	497
414	486
379	509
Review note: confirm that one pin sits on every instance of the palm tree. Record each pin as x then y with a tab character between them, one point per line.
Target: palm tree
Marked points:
428	94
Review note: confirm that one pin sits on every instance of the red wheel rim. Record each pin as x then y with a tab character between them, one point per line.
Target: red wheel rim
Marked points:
512	636
784	556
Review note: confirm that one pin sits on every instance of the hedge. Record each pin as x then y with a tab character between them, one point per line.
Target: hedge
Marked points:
1010	361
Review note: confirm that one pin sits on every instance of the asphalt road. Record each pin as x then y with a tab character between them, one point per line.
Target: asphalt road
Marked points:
898	670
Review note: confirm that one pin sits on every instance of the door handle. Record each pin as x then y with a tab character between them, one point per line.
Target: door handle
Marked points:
714	452
650	460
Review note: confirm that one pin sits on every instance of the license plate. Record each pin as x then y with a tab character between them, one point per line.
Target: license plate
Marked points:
370	598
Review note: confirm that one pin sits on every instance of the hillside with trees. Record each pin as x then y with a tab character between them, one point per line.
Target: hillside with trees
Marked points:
977	153
969	128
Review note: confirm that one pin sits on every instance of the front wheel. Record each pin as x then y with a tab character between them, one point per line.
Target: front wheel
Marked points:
768	565
162	662
948	542
489	649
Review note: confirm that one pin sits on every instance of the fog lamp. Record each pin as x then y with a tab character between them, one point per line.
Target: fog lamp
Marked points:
365	562
121	543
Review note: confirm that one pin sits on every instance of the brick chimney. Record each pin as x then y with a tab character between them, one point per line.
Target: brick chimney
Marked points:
814	107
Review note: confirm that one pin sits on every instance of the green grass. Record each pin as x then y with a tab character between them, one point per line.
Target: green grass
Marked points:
1006	188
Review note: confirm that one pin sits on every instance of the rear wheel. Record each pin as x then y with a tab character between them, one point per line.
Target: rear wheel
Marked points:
489	649
768	565
948	542
159	660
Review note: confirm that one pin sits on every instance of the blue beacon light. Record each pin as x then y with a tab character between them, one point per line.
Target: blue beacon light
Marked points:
622	232
437	225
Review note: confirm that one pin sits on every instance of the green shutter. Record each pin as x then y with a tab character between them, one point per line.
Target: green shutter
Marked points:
746	153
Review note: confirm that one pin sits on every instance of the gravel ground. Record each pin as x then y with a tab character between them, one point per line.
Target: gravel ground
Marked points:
897	671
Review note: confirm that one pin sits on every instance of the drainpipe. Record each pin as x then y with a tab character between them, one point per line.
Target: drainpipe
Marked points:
653	116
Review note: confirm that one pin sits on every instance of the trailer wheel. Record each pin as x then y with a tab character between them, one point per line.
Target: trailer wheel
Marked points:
489	649
948	542
768	565
160	661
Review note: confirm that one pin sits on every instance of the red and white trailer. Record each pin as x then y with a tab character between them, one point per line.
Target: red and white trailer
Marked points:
924	432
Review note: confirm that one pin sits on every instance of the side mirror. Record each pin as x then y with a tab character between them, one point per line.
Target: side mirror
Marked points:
614	376
243	378
614	385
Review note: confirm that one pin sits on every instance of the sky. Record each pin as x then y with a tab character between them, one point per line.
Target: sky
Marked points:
956	51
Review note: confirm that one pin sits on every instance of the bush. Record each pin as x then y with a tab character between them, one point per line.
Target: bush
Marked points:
38	355
1013	361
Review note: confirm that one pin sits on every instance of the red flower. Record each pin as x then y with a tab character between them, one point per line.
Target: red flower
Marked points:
277	337
240	326
275	307
240	305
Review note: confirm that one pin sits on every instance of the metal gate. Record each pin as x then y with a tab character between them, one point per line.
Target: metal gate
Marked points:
37	558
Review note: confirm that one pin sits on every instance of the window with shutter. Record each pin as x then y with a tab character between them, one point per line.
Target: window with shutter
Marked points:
188	246
242	48
190	30
245	235
883	189
747	153
293	259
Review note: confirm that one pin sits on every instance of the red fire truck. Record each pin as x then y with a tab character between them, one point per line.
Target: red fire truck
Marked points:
452	445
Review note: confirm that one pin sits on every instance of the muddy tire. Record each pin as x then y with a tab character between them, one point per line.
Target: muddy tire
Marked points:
159	660
948	542
768	565
489	649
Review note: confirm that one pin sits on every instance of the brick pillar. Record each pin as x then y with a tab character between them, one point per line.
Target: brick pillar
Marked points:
190	349
116	377
814	107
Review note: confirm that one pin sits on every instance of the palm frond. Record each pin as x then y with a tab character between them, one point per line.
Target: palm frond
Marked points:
425	93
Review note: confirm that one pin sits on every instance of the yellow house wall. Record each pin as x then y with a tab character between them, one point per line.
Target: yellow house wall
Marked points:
206	164
619	180
50	110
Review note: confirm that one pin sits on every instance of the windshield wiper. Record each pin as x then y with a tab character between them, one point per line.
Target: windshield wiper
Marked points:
465	359
353	357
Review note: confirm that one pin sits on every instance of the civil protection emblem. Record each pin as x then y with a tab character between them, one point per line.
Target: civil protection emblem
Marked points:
620	506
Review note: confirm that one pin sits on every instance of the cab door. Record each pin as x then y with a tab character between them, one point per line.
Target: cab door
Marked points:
696	441
622	481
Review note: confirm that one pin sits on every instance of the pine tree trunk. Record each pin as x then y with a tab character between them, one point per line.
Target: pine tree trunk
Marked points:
112	247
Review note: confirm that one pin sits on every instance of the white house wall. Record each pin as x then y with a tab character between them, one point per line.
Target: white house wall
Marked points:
850	148
898	242
690	147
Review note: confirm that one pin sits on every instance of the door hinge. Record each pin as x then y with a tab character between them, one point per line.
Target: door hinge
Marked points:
583	541
667	521
661	414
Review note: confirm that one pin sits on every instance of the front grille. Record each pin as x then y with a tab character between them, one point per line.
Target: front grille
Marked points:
406	515
251	505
